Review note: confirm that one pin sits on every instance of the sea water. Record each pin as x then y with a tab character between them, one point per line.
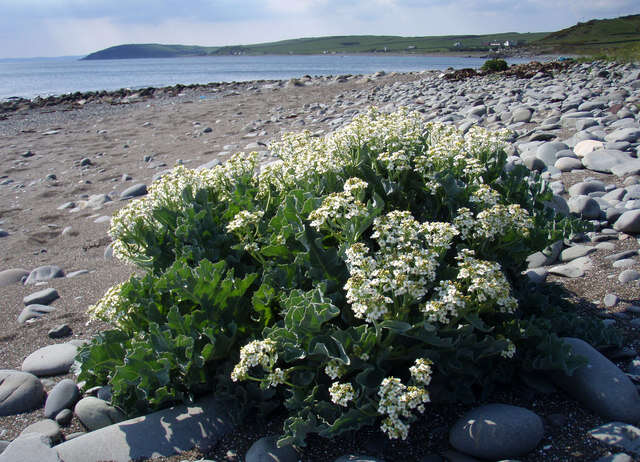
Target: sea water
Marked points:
28	78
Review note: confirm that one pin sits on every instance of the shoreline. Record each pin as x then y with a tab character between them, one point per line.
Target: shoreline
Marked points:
136	94
8	102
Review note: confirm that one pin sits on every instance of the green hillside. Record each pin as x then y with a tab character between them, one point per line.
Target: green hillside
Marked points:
595	36
320	45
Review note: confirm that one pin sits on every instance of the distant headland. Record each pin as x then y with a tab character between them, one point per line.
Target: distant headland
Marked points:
592	37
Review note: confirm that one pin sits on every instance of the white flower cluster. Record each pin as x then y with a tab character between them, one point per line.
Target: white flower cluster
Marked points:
484	195
446	304
397	401
493	222
341	393
421	371
497	220
256	353
244	221
167	192
402	266
397	161
302	160
485	282
109	307
337	207
478	282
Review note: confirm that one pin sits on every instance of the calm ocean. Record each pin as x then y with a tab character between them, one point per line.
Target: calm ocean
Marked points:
29	78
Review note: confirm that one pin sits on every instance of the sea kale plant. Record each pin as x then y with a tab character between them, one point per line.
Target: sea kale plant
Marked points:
356	279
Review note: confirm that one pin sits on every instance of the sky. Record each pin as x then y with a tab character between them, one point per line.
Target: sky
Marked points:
44	28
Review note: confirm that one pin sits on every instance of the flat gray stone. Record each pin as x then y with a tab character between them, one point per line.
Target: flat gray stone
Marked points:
576	251
545	257
51	360
567	164
33	312
19	392
136	190
618	434
42	297
630	135
96	413
601	385
621	255
160	434
266	450
631	167
574	269
628	276
47	427
44	273
30	448
628	222
13	276
584	188
624	263
584	206
605	159
496	432
537	275
64	395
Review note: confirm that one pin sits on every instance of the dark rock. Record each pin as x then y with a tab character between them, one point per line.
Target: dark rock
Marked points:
42	297
19	392
601	386
497	431
63	396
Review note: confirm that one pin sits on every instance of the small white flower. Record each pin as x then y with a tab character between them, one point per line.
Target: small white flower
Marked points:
341	393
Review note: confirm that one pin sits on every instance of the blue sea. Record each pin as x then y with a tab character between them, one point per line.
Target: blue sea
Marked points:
28	78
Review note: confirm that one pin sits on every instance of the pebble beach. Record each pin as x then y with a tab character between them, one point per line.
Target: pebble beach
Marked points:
70	162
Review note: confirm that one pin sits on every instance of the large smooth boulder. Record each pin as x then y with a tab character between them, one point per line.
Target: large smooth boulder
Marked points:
62	396
32	447
600	385
497	431
628	222
19	392
160	434
51	360
605	160
96	413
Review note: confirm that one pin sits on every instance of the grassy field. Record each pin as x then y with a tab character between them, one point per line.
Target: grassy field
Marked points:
320	45
619	37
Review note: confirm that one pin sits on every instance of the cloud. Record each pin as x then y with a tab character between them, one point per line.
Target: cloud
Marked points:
57	27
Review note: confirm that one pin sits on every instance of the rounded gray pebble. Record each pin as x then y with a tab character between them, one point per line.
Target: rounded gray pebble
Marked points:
628	276
497	431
